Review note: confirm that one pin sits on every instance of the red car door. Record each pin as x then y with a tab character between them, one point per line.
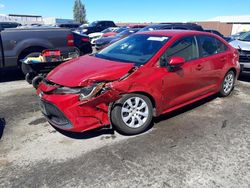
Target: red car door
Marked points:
214	55
184	83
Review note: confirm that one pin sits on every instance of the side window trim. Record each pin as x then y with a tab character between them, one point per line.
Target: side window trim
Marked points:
197	47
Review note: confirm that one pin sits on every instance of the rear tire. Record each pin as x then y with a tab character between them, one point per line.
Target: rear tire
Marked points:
227	85
132	114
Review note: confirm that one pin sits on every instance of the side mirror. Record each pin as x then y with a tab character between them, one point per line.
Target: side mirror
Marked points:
176	61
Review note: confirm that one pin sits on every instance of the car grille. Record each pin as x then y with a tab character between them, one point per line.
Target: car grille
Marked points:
54	115
244	56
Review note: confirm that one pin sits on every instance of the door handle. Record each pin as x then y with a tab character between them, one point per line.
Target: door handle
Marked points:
199	67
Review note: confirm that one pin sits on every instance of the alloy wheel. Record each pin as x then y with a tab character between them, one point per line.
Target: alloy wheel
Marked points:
228	83
135	112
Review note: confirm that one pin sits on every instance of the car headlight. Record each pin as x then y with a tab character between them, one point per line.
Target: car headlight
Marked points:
242	53
87	93
67	90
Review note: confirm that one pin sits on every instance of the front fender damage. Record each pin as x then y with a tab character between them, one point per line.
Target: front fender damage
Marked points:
100	106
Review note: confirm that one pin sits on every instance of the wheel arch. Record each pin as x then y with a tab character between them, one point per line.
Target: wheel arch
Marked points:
29	49
232	69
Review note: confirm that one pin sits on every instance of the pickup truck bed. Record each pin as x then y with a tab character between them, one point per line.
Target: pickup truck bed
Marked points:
16	44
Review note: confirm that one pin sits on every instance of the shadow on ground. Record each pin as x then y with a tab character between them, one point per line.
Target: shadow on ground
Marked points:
88	134
110	132
8	75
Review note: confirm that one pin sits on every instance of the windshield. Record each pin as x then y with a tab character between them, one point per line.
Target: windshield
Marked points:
126	32
121	29
107	30
245	37
93	24
150	28
138	49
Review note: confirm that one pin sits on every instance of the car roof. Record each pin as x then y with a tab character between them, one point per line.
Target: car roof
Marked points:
171	33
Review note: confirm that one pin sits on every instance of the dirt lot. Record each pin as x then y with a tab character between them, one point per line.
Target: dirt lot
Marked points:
204	145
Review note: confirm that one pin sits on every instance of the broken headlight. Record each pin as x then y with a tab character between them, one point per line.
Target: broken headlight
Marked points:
85	93
91	91
67	90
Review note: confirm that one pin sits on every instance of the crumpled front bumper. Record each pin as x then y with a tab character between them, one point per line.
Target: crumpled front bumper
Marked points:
66	112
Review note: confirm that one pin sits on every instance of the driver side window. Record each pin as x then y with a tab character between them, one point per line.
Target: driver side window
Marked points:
185	48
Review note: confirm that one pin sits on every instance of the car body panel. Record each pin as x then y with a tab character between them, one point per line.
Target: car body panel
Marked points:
87	68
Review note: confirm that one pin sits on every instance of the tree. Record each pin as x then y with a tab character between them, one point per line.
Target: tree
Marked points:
79	12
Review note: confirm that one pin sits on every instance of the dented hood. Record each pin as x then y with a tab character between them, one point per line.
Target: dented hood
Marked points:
87	69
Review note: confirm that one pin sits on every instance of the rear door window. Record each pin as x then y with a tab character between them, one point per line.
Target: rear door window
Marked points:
221	46
209	45
186	48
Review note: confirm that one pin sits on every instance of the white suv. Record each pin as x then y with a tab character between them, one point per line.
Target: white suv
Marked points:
243	46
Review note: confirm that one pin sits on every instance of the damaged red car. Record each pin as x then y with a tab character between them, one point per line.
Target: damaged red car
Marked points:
135	79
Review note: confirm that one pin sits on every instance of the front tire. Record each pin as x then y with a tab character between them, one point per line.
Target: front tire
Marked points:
132	114
227	85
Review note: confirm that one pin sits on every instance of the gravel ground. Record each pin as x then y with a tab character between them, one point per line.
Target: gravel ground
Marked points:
203	145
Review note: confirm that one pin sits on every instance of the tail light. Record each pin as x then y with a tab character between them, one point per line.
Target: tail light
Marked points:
52	55
85	39
70	40
47	53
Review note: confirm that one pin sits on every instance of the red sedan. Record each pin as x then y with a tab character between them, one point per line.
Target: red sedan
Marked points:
135	79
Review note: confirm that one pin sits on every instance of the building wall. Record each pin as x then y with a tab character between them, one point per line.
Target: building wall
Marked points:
21	19
223	28
55	21
240	27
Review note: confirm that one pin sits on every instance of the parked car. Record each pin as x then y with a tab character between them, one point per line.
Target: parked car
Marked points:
113	33
156	27
218	33
98	26
82	42
185	26
105	41
5	25
72	26
140	77
137	25
16	44
94	36
237	35
242	44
